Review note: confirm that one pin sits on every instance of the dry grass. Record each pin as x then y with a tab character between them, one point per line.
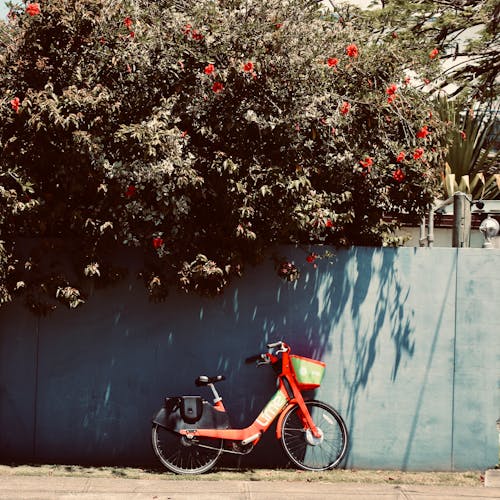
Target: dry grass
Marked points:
470	478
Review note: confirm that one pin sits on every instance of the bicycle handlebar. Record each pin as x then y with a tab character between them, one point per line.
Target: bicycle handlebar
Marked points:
283	347
275	344
269	357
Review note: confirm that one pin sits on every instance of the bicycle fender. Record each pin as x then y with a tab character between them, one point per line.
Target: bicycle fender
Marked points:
288	407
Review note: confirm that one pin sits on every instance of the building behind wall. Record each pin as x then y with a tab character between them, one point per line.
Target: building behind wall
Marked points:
443	227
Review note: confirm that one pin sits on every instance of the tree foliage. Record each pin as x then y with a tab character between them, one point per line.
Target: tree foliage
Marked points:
203	132
464	34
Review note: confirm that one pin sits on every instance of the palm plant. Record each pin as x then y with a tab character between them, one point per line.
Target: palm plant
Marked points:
471	162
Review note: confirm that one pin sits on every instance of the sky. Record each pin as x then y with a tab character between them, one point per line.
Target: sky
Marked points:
3	9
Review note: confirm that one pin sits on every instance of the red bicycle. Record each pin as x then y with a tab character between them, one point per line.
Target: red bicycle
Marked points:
189	434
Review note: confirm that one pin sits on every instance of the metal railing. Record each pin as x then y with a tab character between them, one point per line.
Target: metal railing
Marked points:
462	221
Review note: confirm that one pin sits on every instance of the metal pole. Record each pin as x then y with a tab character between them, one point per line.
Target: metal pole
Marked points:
430	235
461	221
422	238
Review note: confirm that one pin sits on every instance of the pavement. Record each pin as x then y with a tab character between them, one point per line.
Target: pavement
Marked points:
14	487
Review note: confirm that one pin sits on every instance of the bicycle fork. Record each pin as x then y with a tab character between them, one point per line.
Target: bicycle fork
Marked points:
295	396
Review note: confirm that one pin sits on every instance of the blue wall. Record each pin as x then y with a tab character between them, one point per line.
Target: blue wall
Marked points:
410	337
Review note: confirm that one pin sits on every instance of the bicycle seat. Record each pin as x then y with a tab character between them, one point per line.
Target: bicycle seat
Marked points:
203	380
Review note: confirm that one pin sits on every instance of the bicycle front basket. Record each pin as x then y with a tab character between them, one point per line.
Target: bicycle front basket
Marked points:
308	372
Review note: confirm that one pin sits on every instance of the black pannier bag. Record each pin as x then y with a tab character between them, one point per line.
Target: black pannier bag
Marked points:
191	408
190	412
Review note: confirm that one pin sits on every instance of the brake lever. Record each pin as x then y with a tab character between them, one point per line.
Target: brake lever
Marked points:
265	360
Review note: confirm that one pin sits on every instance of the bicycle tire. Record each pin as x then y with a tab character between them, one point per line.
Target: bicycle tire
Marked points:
182	455
308	452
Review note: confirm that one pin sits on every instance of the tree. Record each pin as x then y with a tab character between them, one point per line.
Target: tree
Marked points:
204	133
462	33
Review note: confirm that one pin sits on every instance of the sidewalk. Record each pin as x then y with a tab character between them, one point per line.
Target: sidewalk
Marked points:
15	487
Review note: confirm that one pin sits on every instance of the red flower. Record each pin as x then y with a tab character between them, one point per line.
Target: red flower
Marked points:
247	67
367	165
278	25
209	69
433	53
328	223
132	34
367	162
127	22
157	242
418	153
311	258
401	156
15	103
217	87
187	29
33	9
391	89
423	132
332	61
391	92
344	109
399	175
427	81
463	135
196	35
130	191
352	50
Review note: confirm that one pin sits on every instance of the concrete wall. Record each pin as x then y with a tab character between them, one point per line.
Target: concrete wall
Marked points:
410	337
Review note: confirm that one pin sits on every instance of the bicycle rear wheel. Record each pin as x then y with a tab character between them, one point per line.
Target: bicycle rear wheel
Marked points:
182	455
303	448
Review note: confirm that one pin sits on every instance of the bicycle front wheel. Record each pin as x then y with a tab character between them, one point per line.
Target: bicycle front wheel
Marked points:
182	455
308	451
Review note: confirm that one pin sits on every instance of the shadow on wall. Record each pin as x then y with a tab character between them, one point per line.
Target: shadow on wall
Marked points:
348	310
383	319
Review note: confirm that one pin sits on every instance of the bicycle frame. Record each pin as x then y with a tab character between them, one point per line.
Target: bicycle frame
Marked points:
287	395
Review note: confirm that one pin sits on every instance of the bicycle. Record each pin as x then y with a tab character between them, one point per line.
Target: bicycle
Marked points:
189	434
